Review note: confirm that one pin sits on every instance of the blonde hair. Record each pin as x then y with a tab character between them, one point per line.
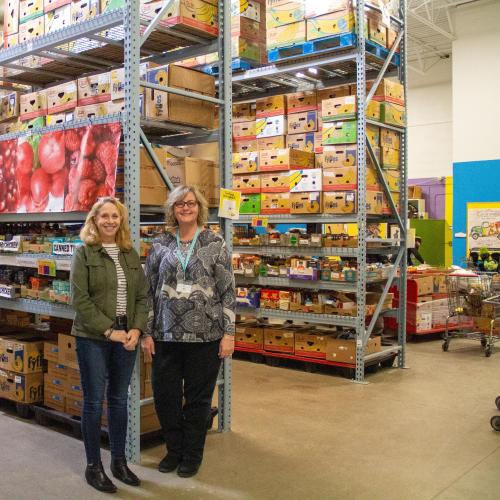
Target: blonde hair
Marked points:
178	194
90	234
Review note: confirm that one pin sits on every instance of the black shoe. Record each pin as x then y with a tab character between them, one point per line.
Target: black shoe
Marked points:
187	469
169	463
120	470
96	477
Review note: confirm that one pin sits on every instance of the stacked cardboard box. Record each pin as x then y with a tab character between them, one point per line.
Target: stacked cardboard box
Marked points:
285	22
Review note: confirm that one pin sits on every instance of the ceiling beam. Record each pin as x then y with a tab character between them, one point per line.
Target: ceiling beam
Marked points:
431	25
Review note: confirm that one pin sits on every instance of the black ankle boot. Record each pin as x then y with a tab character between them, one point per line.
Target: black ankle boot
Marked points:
123	473
96	477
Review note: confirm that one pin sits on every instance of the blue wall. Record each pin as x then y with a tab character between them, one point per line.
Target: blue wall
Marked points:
473	181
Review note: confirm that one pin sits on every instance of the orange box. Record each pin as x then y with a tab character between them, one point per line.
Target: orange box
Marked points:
61	98
285	159
33	105
278	182
51	351
299	102
270	106
275	203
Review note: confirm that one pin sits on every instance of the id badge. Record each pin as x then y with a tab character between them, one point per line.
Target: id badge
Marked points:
184	287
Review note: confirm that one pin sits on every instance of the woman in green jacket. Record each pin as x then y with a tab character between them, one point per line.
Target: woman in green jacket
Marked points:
110	300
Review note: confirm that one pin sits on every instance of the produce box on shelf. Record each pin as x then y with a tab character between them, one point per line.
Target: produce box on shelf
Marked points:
310	345
344	350
249	336
22	388
285	159
279	340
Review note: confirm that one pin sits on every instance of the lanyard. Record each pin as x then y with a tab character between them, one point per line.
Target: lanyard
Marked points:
184	260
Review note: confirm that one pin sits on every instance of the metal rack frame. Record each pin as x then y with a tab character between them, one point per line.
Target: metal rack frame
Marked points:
122	29
335	69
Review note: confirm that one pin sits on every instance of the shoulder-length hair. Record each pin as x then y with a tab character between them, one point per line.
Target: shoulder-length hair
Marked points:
178	194
89	232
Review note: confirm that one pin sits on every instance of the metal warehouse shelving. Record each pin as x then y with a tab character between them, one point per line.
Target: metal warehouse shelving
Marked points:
354	64
122	38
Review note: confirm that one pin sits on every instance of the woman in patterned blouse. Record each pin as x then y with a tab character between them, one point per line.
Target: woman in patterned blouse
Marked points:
190	328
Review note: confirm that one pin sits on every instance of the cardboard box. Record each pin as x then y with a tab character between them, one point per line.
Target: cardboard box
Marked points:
393	114
374	202
310	345
244	145
117	84
250	204
278	182
94	89
315	8
280	13
344	351
249	336
275	203
302	122
339	133
424	284
390	158
390	139
276	142
59	118
285	36
340	178
299	102
9	108
31	29
49	5
330	24
279	340
11	17
30	9
244	131
33	105
73	406
57	370
373	133
338	108
386	208
303	181
246	49
339	202
305	203
51	351
21	355
58	19
270	106
74	387
377	31
393	179
54	383
22	388
61	97
390	91
11	41
91	111
373	110
205	175
244	112
153	195
285	159
270	126
247	28
246	183
84	10
339	156
251	9
332	93
304	142
67	351
245	163
156	105
53	398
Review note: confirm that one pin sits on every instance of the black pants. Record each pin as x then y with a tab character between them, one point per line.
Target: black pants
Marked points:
185	370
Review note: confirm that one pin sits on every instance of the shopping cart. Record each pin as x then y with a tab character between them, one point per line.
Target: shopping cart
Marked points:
473	308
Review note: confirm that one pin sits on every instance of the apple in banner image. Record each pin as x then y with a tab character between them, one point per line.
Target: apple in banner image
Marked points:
9	191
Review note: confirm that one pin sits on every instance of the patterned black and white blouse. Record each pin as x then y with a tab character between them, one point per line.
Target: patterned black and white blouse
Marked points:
207	313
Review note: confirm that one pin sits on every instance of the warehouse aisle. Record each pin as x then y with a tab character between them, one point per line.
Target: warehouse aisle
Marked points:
418	434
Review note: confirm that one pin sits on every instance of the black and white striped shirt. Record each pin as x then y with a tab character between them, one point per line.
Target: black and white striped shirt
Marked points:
121	294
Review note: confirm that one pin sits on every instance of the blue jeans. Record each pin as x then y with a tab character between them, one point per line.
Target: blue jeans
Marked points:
104	363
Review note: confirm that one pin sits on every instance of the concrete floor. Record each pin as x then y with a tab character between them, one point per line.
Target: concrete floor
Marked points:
421	433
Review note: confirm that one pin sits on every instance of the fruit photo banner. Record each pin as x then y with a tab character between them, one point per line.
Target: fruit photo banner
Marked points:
66	170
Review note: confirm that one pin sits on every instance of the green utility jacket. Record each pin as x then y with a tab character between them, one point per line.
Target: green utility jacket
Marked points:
94	287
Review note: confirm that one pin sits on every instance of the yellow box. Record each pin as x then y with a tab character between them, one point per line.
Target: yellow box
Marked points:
373	110
30	9
31	29
332	93
284	36
244	112
302	122
276	142
329	24
386	208
270	106
339	202
393	178
244	145
244	130
275	203
301	101
306	203
339	156
23	388
390	139
285	159
338	108
390	158
393	114
61	97
390	91
280	13
377	32
245	163
373	133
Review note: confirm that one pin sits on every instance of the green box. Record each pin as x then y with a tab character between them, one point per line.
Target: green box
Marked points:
250	204
32	124
393	114
340	133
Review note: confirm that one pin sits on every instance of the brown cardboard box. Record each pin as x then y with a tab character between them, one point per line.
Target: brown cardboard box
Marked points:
245	163
244	112
205	176
31	29
310	345
390	158
339	202
54	383
377	32
153	195
94	89
393	179
390	139
244	131
275	203
73	406
73	386
23	388
53	398
414	192
11	17
92	110
117	84
279	340
51	351
306	203
305	142
339	156
276	142
157	105
285	159
300	123
271	106
245	145
374	202
33	105
284	36
249	336
278	182
338	108
149	419
332	93
390	91
61	98
57	370
344	351
299	102
67	351
246	183
425	285
9	108
337	179
22	354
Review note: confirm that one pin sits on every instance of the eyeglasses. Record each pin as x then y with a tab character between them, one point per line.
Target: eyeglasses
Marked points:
182	204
